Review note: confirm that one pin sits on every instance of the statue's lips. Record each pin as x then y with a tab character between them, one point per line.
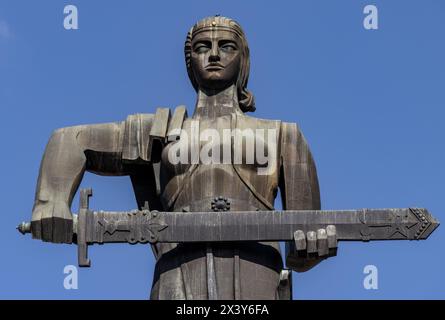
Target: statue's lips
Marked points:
214	67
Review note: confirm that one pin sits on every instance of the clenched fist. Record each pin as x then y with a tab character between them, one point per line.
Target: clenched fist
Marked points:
309	249
52	222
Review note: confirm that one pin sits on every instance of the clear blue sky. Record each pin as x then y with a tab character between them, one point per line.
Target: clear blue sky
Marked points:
370	103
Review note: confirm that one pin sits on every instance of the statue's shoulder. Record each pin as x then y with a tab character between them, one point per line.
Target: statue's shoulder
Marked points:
144	132
293	142
247	121
290	129
287	132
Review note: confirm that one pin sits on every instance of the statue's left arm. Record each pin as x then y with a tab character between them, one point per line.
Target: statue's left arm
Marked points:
299	191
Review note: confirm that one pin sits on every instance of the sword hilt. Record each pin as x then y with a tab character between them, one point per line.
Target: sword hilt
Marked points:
79	226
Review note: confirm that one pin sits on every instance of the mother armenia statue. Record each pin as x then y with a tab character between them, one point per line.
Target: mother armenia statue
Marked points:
151	148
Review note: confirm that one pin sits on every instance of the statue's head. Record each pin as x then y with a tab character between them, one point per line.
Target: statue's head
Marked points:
217	56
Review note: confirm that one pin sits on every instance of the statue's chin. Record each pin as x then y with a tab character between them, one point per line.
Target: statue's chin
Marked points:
215	84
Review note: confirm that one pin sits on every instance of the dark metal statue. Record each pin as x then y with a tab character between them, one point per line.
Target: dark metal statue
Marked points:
212	224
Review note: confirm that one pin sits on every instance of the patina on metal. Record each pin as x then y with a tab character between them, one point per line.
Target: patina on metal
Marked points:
151	226
212	226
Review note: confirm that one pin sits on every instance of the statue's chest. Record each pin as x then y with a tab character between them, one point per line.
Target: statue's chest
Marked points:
220	141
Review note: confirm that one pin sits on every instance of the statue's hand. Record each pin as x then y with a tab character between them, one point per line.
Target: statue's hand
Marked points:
52	221
311	248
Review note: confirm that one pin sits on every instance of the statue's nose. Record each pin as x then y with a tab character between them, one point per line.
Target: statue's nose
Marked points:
214	54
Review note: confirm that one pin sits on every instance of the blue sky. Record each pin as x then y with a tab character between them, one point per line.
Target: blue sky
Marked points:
370	103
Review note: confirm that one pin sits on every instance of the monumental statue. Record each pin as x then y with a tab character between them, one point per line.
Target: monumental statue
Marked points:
205	187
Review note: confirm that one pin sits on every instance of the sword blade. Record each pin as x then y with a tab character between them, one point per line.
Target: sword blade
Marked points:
351	225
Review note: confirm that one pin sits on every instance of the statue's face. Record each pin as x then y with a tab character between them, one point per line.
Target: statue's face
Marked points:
216	59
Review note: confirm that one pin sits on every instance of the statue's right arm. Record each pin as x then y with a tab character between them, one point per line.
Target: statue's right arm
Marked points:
69	153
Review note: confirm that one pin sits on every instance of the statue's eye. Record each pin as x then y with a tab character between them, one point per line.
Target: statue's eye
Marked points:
202	47
228	46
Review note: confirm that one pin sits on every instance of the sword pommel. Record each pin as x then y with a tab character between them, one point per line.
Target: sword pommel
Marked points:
24	227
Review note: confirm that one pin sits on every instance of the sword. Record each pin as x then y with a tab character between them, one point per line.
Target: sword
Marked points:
150	226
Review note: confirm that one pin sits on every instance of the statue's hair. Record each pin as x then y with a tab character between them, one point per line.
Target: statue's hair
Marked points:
245	97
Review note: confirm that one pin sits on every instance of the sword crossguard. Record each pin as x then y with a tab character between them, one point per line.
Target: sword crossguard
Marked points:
82	245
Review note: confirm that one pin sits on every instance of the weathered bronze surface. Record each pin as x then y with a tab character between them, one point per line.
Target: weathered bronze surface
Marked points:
201	253
151	226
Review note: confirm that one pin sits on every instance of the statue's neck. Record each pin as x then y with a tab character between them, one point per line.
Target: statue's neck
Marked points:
216	104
